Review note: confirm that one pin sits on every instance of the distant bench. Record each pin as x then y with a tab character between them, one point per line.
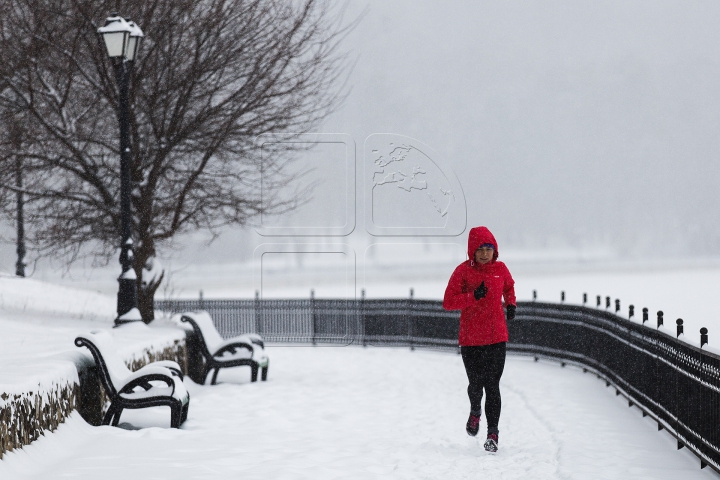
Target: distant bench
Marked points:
248	349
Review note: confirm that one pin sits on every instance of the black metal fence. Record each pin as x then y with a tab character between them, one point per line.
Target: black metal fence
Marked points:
338	321
675	383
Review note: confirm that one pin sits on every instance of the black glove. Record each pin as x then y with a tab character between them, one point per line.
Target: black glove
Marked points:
511	311
480	291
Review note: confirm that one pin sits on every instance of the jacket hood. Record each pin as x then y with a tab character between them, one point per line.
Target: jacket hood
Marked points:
480	236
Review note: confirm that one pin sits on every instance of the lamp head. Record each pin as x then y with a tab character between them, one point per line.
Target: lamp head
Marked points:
136	36
121	37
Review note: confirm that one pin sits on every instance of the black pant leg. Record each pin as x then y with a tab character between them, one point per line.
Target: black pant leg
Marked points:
472	359
493	369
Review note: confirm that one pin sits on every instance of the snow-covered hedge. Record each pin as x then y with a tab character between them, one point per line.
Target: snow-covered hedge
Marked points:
25	415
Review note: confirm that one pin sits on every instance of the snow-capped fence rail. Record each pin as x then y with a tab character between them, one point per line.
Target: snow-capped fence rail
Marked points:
674	382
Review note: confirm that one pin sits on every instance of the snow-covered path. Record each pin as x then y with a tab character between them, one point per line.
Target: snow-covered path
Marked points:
334	412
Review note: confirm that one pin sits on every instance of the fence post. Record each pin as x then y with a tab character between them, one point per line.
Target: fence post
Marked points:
679	397
679	323
645	315
631	311
656	365
562	296
607	303
703	402
659	318
584	298
534	295
312	314
410	318
362	317
598	301
617	305
258	313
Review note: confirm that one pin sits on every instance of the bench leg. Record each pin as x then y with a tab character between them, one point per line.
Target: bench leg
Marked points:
109	415
116	419
214	378
253	372
175	415
184	413
206	373
263	376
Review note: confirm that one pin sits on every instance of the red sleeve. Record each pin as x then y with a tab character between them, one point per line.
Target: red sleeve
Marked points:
509	289
454	298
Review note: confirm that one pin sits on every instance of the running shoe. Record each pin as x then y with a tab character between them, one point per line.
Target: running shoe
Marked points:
473	425
491	444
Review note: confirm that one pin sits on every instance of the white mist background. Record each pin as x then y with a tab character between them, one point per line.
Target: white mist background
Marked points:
584	135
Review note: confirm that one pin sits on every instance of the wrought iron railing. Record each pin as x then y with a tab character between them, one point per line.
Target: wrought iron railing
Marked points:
675	383
406	322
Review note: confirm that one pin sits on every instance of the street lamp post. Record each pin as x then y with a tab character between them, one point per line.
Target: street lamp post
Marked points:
122	39
20	264
16	142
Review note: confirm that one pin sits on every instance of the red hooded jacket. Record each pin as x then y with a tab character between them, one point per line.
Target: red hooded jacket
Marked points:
482	322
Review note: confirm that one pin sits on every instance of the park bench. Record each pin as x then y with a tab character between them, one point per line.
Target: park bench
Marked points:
248	349
156	384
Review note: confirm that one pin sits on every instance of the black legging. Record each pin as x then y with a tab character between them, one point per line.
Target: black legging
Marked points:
484	366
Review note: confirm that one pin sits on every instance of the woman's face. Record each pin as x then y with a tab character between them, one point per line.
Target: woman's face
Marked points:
484	255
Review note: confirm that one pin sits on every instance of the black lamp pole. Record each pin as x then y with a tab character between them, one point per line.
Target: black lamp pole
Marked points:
20	265
127	293
16	138
122	38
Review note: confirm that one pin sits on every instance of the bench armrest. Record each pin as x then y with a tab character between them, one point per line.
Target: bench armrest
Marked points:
169	364
142	377
255	339
232	345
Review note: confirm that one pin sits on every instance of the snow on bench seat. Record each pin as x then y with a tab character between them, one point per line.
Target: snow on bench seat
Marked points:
247	349
158	383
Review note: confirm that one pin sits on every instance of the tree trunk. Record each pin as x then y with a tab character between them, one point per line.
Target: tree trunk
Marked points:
149	277
146	301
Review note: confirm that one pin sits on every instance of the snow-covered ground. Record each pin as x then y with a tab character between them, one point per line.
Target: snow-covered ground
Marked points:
38	325
27	295
353	412
370	413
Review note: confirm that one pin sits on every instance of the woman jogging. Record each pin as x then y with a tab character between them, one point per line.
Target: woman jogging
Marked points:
477	287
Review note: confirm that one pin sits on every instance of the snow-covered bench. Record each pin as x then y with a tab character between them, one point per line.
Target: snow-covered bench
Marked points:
156	384
248	349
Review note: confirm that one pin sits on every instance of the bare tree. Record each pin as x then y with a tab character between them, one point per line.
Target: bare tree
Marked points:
211	76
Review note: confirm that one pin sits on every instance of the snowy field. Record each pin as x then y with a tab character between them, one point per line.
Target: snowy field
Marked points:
333	412
680	288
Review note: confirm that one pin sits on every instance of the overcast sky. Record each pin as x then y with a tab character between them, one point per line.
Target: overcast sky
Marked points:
569	123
